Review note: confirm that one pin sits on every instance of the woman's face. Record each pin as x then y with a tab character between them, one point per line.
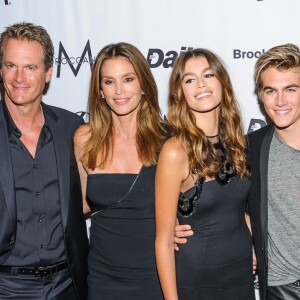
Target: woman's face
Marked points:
120	86
201	88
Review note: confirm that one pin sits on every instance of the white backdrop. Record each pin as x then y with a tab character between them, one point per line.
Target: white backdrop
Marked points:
237	30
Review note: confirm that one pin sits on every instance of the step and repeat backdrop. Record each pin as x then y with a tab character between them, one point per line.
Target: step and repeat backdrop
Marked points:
237	30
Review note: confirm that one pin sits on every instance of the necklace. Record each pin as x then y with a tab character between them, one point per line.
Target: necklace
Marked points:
212	136
226	172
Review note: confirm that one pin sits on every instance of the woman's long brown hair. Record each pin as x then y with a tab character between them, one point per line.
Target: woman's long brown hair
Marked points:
149	136
200	151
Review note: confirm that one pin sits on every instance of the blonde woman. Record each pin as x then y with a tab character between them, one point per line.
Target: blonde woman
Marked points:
117	155
202	179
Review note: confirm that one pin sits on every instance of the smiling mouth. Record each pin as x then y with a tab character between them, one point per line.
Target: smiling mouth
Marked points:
203	95
20	88
282	112
121	100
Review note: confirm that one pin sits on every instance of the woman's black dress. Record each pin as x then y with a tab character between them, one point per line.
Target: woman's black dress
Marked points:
121	257
216	262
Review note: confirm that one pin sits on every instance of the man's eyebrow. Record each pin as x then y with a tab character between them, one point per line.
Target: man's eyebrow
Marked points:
292	86
285	87
268	88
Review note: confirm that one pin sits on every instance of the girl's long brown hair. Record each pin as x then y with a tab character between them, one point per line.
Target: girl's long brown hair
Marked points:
200	151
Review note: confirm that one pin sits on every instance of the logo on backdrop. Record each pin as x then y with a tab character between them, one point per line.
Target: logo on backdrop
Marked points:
6	2
241	54
74	62
256	124
85	115
156	57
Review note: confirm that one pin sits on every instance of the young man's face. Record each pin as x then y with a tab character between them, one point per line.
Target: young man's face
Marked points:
280	95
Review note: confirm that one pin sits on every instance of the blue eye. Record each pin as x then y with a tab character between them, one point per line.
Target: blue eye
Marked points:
269	91
291	90
9	66
30	68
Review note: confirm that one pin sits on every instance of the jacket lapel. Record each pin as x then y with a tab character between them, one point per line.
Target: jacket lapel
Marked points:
6	172
61	149
264	160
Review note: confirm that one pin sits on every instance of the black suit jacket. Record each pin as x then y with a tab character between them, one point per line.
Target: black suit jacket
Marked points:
258	156
62	125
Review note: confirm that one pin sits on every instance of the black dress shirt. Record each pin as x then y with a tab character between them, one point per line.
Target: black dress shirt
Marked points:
39	236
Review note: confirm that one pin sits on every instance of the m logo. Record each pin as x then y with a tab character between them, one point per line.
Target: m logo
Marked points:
64	58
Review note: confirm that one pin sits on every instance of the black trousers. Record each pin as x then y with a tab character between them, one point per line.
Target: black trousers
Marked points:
284	292
58	286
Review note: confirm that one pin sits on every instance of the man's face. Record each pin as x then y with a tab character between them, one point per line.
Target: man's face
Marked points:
23	72
280	95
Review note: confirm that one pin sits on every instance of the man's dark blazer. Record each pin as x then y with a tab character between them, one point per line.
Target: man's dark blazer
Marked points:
258	156
62	125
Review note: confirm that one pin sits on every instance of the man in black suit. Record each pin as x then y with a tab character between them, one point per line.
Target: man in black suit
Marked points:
274	159
43	241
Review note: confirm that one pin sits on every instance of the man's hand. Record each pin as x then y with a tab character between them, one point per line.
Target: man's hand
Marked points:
254	263
180	234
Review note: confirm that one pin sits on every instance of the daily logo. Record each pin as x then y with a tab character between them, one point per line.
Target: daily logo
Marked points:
156	57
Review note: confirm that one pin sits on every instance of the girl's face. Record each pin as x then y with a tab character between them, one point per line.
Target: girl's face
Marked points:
201	88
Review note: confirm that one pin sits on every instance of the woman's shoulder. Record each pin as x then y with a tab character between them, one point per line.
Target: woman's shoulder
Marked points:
172	150
82	134
173	160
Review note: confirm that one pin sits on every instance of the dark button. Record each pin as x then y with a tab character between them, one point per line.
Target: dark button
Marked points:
39	220
11	242
34	166
37	193
262	250
42	246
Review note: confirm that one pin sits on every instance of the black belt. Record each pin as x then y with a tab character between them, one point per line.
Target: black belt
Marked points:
38	271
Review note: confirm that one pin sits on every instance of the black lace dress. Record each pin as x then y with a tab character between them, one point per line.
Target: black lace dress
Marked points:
216	263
